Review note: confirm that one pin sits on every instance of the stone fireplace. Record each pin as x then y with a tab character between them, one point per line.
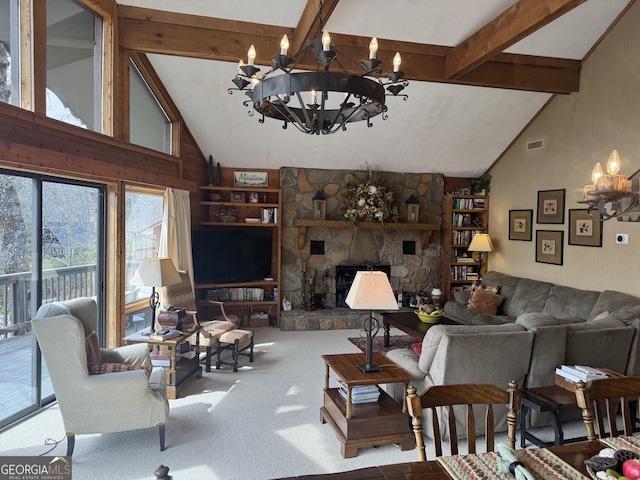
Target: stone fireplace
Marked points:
413	264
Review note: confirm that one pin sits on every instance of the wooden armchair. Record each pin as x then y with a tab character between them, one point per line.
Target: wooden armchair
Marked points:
465	395
601	398
217	323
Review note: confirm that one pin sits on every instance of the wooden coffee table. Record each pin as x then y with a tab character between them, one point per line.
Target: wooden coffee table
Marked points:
410	324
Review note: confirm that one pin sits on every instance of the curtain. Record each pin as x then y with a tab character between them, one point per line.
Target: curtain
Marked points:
175	237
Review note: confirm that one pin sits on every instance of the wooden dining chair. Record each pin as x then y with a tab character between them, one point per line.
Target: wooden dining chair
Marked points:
448	396
603	399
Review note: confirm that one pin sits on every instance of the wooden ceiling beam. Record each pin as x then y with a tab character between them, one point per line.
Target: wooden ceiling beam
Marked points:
151	31
309	23
518	21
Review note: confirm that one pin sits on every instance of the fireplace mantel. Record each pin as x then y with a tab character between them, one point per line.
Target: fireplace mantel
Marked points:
426	229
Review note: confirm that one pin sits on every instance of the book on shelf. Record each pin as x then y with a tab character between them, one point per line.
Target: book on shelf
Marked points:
577	373
159	336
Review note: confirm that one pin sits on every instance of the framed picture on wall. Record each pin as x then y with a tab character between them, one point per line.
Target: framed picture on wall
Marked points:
549	245
550	206
520	224
584	230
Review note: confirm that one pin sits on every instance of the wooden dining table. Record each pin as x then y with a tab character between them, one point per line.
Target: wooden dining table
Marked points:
574	454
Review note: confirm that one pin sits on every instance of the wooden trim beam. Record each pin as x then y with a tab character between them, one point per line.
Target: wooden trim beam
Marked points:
25	157
309	23
518	21
150	31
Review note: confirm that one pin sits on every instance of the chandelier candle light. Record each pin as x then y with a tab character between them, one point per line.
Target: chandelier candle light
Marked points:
324	101
608	191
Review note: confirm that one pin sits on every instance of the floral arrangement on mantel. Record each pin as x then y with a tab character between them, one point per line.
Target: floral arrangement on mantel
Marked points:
370	202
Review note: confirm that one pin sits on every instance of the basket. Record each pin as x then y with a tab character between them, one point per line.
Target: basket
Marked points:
429	317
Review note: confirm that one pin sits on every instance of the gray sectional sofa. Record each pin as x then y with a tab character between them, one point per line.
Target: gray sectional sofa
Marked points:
538	327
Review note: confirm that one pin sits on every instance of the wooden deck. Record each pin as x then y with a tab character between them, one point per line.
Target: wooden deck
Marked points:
16	380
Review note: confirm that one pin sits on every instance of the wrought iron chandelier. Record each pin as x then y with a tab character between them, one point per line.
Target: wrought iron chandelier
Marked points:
323	101
611	195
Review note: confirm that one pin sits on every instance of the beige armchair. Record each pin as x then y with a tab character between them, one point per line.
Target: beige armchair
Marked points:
112	402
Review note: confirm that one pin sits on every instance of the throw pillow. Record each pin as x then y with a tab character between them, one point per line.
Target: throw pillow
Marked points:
417	347
485	302
102	368
475	286
94	355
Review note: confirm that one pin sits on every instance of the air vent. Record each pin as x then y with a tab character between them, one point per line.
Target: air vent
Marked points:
534	145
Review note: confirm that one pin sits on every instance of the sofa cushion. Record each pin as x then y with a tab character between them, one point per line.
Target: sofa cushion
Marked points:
461	314
599	344
548	353
536	319
612	301
435	334
626	315
486	302
529	296
462	296
567	302
408	360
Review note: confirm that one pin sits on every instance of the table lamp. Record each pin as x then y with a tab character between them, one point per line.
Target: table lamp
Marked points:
481	242
155	272
371	291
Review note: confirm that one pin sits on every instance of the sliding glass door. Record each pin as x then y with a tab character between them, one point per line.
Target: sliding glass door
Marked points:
51	249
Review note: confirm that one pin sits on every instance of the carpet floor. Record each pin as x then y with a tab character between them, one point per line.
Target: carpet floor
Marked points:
259	423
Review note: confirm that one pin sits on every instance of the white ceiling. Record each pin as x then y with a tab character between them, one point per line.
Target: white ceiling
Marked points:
451	129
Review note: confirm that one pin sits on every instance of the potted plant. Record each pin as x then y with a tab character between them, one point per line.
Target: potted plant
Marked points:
481	186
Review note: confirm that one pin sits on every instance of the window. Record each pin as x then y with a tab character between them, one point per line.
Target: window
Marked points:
143	222
9	52
74	64
150	126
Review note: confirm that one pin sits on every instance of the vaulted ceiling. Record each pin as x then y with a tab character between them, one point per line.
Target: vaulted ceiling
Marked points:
479	72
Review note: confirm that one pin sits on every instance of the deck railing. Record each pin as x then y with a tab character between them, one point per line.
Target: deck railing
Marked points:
57	284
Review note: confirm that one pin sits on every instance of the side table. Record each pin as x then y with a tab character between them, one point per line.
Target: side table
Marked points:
182	365
546	399
365	424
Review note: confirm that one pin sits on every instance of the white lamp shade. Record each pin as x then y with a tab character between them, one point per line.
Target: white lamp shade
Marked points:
156	272
481	242
371	291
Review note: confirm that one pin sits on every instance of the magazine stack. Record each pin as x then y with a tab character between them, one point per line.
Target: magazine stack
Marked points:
577	373
361	393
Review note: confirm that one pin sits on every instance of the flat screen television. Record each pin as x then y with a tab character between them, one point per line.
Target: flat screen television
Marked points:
231	255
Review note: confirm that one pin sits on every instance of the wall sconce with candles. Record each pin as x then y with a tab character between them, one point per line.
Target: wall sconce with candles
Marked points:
610	194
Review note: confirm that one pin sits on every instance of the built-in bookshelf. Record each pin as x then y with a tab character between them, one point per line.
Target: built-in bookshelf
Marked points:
463	217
